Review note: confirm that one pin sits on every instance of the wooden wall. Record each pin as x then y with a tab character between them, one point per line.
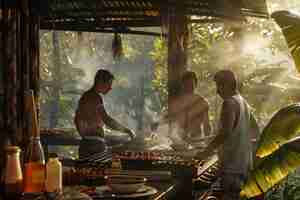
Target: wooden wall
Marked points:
19	68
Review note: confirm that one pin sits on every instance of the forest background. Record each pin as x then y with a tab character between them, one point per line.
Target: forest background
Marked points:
256	51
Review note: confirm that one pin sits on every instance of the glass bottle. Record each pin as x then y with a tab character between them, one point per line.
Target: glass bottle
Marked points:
13	176
34	162
34	167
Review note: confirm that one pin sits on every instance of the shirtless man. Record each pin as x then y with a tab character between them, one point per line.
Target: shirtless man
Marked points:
189	110
91	116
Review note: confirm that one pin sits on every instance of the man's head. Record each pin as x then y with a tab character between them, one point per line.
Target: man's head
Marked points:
189	81
226	83
103	81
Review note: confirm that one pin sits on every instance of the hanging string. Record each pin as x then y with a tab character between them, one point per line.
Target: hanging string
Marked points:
117	48
165	20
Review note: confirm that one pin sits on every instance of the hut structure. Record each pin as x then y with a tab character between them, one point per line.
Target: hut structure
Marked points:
21	21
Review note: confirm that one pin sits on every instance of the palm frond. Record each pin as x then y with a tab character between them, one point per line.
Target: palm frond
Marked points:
284	126
273	169
289	23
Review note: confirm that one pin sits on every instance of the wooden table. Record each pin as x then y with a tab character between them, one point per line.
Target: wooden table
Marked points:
166	191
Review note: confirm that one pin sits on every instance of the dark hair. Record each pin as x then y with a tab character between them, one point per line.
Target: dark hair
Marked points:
103	76
226	77
189	75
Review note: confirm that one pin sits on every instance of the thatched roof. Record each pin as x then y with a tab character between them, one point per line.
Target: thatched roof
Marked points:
98	15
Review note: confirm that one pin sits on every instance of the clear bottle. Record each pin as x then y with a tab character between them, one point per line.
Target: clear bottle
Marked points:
34	162
53	175
13	177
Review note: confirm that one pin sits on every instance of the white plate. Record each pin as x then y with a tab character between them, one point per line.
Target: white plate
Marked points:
142	192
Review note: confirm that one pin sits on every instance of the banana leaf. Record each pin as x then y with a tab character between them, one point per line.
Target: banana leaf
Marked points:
273	169
284	126
289	23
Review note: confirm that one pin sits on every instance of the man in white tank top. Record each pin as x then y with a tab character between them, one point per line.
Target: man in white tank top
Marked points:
238	129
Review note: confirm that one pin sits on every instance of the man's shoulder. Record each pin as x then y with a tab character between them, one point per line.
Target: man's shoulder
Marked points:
201	99
231	103
90	95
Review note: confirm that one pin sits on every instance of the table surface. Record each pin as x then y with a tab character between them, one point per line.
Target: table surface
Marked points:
165	190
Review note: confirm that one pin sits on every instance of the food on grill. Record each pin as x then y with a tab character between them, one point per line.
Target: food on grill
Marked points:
138	155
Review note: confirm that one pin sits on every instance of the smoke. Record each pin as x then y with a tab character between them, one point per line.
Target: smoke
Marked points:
124	102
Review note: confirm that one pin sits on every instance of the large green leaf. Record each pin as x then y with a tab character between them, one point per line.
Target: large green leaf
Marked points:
289	23
273	169
284	126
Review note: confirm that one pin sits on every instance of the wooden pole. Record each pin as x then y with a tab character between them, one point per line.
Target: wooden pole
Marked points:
19	62
177	43
177	59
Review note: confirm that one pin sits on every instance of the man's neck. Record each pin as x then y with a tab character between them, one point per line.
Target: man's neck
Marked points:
96	90
188	92
231	94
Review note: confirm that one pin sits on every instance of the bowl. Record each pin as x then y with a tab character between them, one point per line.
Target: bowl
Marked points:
125	184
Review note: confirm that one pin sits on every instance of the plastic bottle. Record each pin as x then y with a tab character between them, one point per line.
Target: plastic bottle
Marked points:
53	175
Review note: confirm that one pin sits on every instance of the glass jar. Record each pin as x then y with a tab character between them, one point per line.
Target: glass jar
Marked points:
53	175
13	176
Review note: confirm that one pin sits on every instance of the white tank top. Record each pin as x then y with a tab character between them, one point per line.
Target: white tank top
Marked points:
236	153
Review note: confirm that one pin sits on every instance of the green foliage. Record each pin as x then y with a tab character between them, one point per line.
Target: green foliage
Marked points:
80	55
159	55
289	22
271	171
279	152
284	126
287	189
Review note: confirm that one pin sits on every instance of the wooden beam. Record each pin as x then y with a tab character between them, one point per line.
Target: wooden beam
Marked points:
99	25
93	29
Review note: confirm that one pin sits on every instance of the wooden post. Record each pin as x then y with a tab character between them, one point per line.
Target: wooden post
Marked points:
54	109
19	68
9	77
177	59
177	43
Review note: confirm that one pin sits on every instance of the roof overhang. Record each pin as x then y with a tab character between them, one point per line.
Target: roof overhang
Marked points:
118	15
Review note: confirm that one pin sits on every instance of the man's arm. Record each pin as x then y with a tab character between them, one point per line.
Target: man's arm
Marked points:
254	131
110	122
227	120
206	124
115	125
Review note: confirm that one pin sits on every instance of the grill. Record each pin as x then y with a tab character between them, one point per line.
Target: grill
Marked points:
175	162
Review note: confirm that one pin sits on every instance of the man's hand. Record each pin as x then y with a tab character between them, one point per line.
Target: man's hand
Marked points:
130	132
154	126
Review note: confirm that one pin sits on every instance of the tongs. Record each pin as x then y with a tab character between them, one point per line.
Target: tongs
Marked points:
102	157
